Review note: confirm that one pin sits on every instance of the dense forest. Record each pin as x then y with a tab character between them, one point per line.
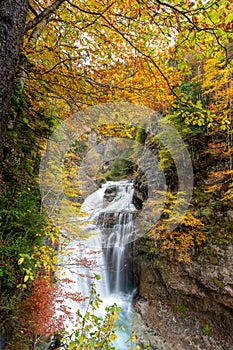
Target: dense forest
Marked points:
61	57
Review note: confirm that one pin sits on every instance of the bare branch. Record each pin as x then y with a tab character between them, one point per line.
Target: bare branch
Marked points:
112	26
184	14
49	10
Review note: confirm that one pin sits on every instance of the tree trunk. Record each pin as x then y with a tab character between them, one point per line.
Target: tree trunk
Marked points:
13	15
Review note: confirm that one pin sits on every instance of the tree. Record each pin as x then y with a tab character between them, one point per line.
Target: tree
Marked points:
43	313
12	21
76	55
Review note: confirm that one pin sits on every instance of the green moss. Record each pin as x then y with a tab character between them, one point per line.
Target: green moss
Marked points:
141	135
206	328
213	256
154	251
218	283
180	309
213	260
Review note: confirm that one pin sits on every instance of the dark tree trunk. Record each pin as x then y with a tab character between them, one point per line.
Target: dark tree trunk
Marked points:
12	23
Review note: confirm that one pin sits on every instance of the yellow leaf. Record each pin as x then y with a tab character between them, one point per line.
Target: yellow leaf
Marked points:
134	337
21	260
26	278
115	315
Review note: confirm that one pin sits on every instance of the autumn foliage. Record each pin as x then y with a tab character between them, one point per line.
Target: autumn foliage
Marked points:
172	56
39	308
44	312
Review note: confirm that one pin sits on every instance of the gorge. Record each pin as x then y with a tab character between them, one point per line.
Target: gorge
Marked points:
170	304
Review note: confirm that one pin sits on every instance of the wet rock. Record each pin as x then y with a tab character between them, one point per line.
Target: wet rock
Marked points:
110	193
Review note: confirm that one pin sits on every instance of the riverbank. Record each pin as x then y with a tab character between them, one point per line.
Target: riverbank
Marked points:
180	331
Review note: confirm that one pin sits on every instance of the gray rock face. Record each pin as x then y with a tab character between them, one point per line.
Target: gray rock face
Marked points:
189	304
230	215
140	189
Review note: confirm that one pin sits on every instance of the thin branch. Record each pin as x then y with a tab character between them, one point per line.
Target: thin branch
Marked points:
49	10
91	12
184	14
56	65
112	26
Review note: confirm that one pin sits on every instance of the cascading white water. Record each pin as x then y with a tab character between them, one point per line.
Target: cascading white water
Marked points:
117	229
110	229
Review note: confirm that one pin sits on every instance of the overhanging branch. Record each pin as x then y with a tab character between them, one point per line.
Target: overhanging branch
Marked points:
49	10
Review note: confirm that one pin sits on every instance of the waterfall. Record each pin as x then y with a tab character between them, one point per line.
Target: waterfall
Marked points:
116	224
109	226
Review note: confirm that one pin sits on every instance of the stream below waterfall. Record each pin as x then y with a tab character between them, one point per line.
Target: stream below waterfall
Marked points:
110	229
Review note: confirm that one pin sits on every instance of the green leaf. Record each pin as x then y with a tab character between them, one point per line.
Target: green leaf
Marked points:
26	121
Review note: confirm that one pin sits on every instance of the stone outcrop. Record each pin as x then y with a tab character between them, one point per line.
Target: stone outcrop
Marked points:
140	189
189	304
110	193
149	177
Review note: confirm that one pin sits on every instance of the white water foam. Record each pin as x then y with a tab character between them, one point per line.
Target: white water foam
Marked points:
109	221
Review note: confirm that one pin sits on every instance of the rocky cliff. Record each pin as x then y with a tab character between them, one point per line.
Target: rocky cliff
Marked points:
189	304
